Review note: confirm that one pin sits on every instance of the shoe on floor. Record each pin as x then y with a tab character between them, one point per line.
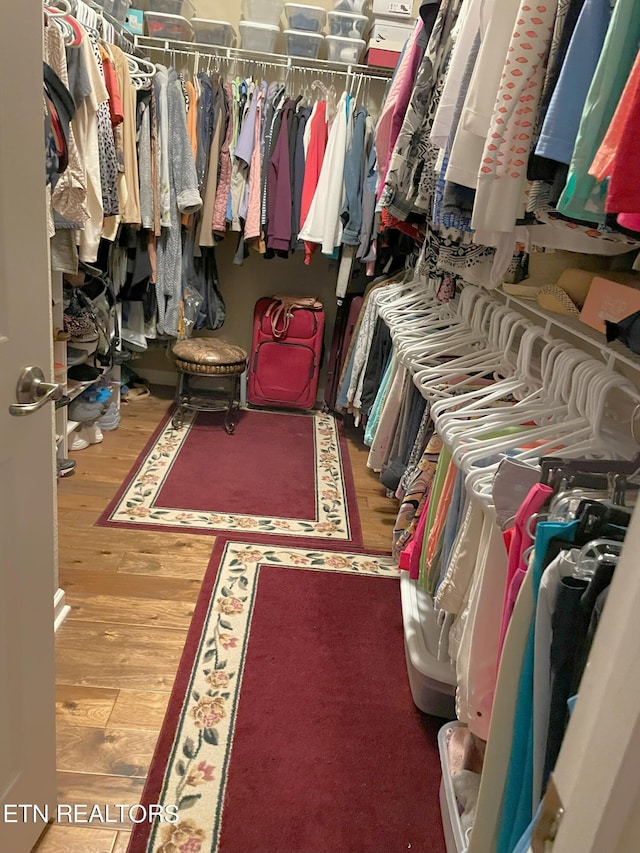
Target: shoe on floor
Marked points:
111	418
65	467
93	433
78	439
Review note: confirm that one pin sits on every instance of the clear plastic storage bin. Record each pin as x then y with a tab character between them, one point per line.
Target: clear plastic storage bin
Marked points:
107	5
346	25
451	823
121	10
303	44
262	11
308	18
163	26
341	49
183	8
354	7
261	38
206	31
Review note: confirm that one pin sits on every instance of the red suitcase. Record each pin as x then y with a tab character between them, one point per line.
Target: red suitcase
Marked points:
286	352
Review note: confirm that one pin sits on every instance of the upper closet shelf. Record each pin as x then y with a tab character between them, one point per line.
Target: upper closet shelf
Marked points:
613	354
295	63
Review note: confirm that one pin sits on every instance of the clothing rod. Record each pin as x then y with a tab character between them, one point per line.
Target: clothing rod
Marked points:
272	60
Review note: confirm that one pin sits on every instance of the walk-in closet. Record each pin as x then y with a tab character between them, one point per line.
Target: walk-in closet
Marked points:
320	370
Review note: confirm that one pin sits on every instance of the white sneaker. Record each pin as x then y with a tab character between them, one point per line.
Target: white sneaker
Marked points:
93	433
78	439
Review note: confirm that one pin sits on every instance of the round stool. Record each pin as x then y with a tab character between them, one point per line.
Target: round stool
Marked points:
208	357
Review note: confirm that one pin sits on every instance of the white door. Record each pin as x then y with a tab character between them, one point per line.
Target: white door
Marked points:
597	775
27	516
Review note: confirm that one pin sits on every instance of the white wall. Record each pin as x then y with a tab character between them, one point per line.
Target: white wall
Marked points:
243	285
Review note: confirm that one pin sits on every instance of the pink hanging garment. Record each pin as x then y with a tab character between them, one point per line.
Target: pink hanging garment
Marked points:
520	541
419	543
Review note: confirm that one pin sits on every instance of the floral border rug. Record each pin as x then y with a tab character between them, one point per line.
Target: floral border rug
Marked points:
193	753
336	515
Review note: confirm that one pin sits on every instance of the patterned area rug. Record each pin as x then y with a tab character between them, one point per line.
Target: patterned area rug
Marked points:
279	475
291	726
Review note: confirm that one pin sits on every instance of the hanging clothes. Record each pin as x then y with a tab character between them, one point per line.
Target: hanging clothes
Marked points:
322	225
183	198
583	198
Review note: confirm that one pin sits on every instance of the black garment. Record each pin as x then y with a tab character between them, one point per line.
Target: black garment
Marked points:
596	615
428	12
201	273
379	355
205	126
569	630
458	200
598	584
573	628
137	286
60	104
298	177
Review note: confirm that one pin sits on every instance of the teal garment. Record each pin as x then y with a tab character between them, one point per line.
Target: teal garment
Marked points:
524	844
376	409
583	197
518	791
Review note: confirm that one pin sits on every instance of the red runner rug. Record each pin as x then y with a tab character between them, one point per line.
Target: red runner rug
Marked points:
283	475
291	727
269	472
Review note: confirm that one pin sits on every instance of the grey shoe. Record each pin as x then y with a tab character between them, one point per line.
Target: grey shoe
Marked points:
66	467
76	356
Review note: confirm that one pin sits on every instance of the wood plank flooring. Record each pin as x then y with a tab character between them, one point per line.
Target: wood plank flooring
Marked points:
118	651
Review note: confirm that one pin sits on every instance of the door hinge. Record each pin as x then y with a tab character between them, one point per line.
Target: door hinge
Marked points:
548	823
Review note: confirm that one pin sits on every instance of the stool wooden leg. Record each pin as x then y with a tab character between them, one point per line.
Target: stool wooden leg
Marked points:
229	417
177	422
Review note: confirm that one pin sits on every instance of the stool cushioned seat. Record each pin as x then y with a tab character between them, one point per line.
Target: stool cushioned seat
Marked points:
220	362
209	357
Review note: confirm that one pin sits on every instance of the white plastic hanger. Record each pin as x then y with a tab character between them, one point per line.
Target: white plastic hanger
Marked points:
491	357
475	447
467	328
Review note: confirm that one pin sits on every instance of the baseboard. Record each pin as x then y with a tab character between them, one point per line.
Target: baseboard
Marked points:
169	378
60	609
157	377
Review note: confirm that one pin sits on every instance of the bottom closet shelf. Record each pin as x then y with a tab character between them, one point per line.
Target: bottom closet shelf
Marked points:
432	681
451	824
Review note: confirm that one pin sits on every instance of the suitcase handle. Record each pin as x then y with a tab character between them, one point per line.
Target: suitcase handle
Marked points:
280	311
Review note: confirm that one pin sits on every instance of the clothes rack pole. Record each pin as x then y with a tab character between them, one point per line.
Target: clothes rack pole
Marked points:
271	60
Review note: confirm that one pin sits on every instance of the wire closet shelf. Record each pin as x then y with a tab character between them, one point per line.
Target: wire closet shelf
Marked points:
272	60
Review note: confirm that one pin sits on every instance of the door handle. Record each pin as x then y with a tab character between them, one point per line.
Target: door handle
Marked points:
32	392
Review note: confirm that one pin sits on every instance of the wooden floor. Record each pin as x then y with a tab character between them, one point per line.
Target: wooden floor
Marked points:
118	651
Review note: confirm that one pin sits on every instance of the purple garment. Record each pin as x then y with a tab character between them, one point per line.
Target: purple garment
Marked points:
279	188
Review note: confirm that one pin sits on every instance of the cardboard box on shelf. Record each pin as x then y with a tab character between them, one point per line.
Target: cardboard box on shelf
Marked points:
393	8
608	300
390	35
